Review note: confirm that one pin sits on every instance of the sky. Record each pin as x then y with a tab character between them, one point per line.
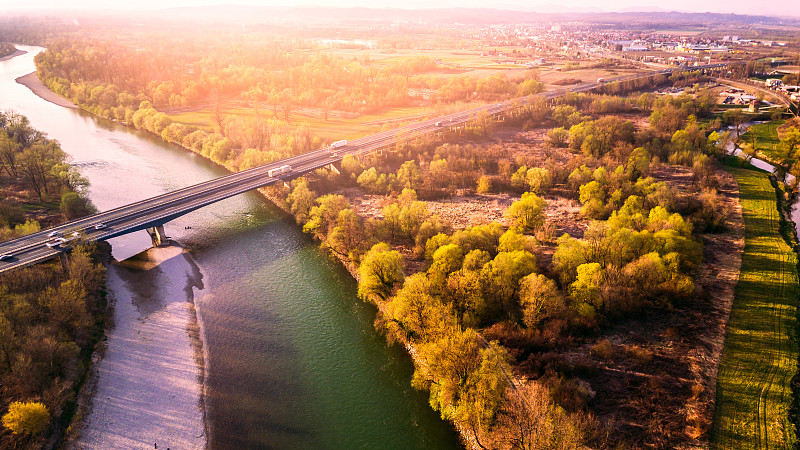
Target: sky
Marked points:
784	8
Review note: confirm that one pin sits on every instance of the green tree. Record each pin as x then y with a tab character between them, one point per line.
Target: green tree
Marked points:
409	175
323	215
381	270
539	298
74	205
539	180
527	213
301	200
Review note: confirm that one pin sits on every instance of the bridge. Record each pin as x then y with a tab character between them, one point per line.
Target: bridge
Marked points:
151	214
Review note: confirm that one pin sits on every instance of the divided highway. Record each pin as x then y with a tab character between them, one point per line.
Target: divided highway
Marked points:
44	245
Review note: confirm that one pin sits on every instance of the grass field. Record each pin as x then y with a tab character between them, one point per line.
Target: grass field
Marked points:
338	126
767	140
760	354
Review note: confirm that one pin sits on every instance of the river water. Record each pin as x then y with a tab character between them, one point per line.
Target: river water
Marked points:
289	356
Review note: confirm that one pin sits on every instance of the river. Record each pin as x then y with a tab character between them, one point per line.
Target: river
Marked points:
245	335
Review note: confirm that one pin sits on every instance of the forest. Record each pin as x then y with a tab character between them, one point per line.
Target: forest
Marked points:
496	311
51	315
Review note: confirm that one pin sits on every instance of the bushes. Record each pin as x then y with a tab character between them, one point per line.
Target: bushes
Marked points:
26	417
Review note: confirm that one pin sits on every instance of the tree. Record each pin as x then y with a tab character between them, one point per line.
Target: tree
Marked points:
502	276
348	237
527	213
586	289
26	417
381	271
539	180
558	137
539	298
791	142
409	175
323	216
74	205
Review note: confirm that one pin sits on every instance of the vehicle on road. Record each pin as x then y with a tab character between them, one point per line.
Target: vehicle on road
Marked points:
56	242
54	233
5	256
338	144
438	124
280	170
99	226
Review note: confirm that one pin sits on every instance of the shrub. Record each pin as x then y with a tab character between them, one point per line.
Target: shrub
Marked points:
26	417
604	349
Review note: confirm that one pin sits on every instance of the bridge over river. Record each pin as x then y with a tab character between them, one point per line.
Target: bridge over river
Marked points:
151	214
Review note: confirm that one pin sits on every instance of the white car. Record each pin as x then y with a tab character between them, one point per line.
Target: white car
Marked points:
54	233
5	256
99	226
56	242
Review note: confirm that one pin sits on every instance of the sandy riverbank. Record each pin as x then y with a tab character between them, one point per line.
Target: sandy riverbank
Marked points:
32	82
147	387
13	55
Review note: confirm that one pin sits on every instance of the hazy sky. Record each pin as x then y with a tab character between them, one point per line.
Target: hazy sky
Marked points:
778	8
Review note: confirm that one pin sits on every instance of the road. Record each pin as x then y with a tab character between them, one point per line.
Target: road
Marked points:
34	248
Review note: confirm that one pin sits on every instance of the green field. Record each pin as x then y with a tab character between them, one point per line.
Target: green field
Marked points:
767	140
760	354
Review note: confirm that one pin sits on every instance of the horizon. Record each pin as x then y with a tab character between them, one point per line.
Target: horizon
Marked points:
738	7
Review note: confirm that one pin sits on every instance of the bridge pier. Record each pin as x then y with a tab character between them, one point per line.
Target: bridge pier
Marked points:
335	167
64	258
158	235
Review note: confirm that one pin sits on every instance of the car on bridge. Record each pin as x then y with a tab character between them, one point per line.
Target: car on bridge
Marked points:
56	242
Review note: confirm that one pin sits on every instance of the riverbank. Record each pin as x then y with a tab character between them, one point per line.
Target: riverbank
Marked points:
13	55
32	82
147	383
147	387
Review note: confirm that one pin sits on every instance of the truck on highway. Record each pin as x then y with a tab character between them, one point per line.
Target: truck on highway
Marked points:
279	170
338	144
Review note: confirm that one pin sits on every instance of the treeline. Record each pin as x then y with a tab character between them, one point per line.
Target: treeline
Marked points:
124	84
6	49
50	316
96	74
34	170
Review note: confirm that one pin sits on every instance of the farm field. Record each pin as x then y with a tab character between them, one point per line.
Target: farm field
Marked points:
766	139
760	356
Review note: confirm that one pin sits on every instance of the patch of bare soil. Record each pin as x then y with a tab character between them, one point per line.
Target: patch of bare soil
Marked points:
469	210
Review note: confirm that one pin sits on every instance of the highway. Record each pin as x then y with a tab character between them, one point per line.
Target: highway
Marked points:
155	211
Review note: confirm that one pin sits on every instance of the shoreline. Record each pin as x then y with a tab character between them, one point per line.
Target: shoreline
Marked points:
18	52
32	82
111	411
123	404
